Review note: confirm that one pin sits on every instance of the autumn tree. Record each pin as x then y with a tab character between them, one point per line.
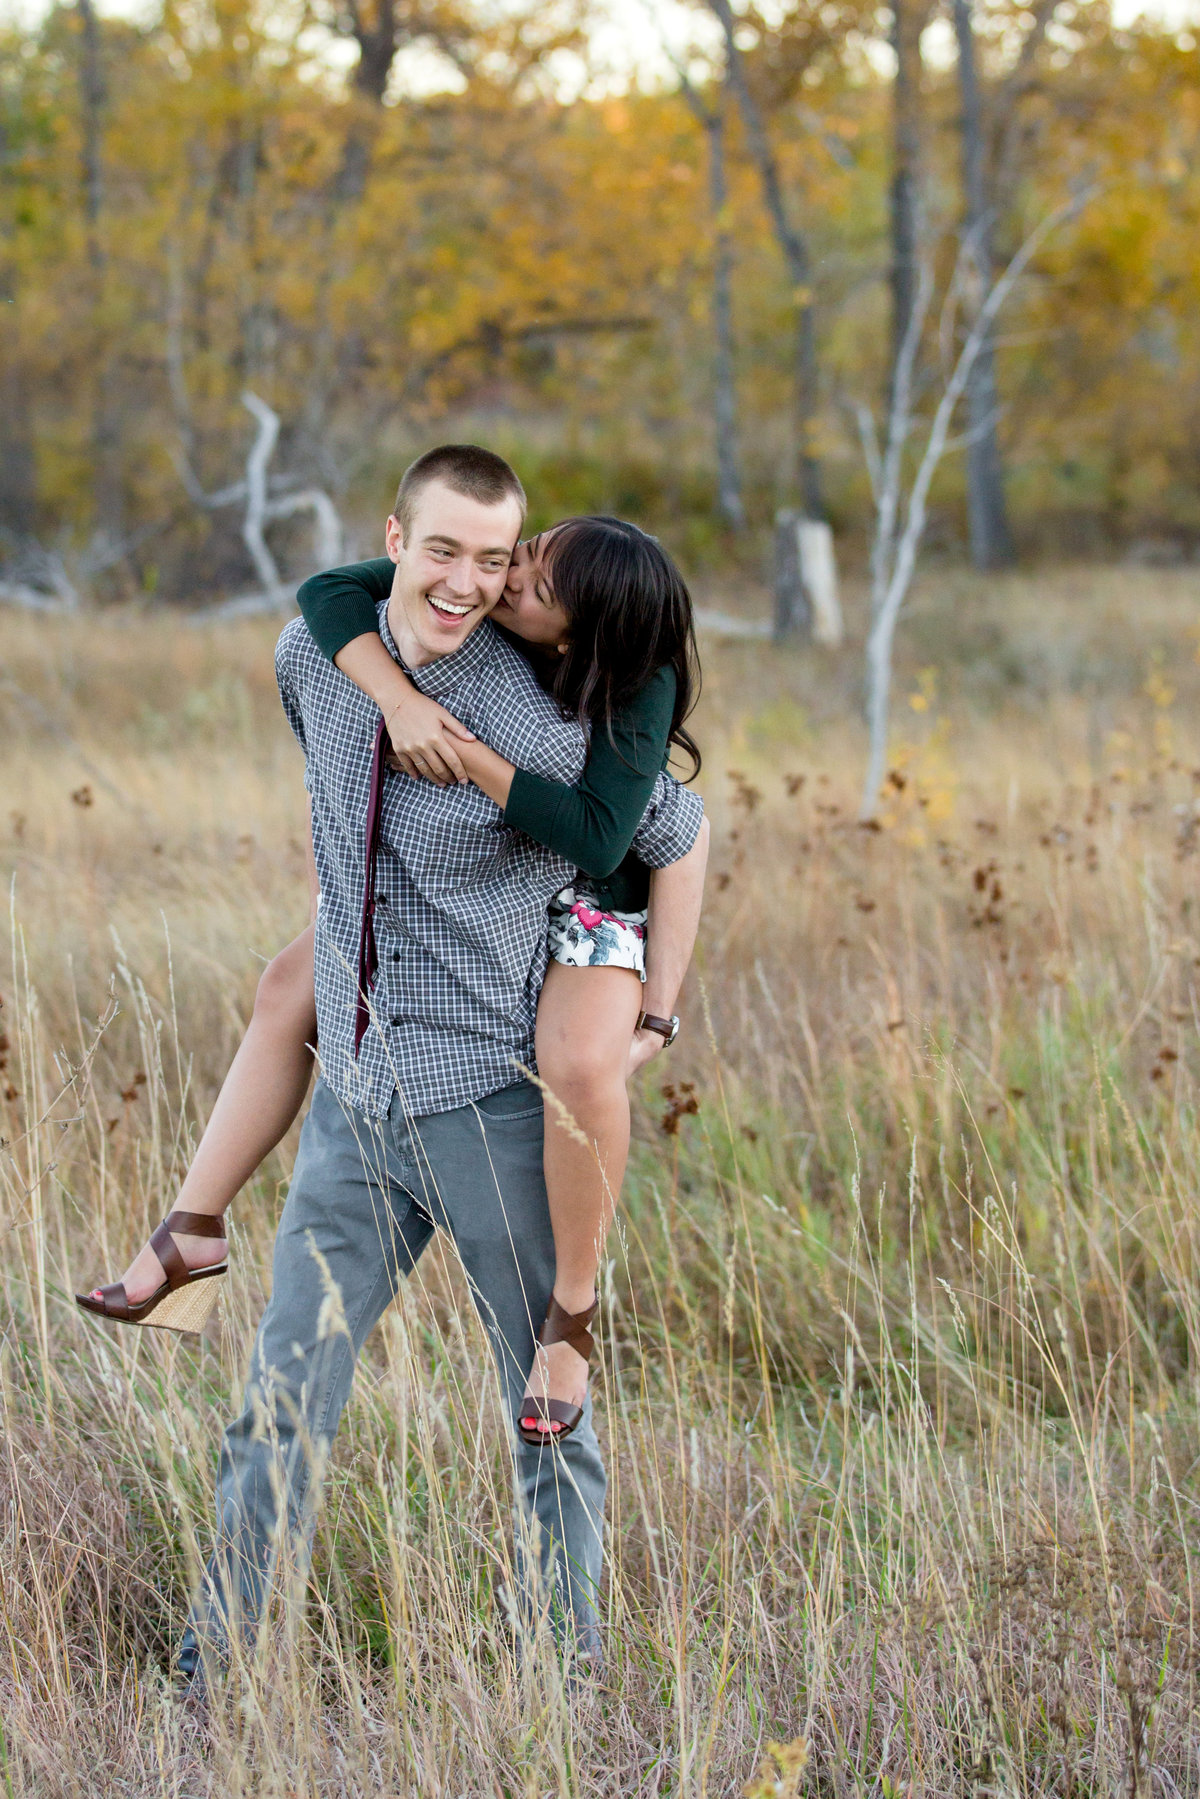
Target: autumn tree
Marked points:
541	263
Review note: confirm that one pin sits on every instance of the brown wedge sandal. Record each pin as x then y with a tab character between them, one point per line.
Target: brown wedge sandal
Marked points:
187	1295
560	1327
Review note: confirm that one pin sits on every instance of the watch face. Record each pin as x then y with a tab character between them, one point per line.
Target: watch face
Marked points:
674	1029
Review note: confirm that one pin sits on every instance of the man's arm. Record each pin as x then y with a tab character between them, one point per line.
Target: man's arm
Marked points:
676	893
314	880
288	682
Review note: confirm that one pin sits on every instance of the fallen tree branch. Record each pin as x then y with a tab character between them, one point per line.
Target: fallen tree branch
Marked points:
54	591
30	599
262	508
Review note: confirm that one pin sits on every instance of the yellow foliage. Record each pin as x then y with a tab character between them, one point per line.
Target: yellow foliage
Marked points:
497	246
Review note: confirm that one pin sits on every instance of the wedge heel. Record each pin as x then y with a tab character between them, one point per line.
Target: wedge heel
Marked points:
188	1308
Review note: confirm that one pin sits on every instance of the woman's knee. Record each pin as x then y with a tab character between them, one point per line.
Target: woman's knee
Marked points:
584	1071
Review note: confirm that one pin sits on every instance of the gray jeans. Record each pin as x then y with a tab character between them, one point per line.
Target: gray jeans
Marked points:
366	1196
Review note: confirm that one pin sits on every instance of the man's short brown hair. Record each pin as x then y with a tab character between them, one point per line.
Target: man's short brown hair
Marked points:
463	468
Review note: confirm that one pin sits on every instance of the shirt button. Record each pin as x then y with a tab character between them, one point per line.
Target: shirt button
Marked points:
395	1023
395	955
381	899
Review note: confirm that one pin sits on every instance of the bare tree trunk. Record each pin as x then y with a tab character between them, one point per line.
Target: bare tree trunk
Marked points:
908	21
987	510
711	119
18	482
92	97
794	249
806	589
900	522
729	491
793	616
377	32
107	494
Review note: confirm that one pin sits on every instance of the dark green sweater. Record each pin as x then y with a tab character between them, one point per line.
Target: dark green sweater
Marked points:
591	822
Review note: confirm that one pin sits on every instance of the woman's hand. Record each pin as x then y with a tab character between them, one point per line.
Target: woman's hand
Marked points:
423	736
645	1045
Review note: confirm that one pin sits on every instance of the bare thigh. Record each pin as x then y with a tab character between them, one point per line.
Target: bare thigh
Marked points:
585	1023
286	993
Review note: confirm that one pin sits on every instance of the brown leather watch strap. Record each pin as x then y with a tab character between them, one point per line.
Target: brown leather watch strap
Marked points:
667	1028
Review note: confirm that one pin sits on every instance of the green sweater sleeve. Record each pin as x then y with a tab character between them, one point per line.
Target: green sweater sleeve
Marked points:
340	604
592	823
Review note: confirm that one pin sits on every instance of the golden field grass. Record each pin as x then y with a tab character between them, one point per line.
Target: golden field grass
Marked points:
902	1329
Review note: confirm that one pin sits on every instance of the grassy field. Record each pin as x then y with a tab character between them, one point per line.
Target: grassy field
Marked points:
901	1372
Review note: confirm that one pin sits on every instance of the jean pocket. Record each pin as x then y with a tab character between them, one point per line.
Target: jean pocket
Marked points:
521	1100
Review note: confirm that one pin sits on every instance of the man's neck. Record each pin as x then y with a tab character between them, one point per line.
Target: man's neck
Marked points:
412	654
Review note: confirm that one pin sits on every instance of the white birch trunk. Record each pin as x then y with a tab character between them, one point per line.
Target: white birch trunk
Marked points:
818	572
894	553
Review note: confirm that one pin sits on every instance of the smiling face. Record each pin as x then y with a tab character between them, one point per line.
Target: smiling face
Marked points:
527	606
450	571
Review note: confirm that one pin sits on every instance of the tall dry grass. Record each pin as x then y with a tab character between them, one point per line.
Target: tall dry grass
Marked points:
901	1323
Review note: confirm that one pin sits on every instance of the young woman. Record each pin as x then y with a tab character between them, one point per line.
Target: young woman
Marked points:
606	620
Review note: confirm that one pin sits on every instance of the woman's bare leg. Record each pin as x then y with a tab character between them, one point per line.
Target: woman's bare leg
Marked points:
259	1099
585	1024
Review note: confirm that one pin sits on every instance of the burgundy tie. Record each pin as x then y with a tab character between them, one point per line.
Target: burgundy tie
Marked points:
368	955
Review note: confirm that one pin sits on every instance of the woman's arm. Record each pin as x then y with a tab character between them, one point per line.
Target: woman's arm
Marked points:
341	609
676	894
592	822
426	739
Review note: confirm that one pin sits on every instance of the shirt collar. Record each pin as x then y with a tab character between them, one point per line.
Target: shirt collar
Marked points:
439	677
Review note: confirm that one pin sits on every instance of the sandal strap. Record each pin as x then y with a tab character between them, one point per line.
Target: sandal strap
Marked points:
551	1411
569	1327
196	1224
173	1264
188	1224
115	1300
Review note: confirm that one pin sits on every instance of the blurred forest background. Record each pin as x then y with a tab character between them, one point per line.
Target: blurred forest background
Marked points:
397	220
900	1384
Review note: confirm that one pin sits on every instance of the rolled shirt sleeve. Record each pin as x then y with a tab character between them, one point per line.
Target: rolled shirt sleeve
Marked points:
670	823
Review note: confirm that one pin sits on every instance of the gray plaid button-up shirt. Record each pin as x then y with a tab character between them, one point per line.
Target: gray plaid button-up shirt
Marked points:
460	920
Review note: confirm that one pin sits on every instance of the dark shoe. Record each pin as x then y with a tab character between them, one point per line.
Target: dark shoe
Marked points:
197	1668
193	1703
185	1298
560	1327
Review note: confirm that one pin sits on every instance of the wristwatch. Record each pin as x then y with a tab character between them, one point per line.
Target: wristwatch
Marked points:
667	1028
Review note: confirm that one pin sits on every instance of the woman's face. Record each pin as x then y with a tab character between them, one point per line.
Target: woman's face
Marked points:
527	606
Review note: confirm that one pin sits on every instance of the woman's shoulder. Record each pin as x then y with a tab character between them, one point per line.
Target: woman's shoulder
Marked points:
654	699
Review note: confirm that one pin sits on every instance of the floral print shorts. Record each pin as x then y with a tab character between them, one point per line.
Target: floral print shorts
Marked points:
582	935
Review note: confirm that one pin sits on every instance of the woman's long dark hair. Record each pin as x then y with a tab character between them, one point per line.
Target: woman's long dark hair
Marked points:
630	614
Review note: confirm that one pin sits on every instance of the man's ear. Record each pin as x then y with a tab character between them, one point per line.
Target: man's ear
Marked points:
394	537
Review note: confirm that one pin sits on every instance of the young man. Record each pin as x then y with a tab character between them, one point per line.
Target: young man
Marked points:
421	1122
